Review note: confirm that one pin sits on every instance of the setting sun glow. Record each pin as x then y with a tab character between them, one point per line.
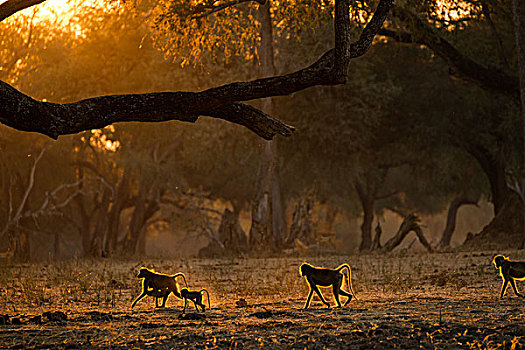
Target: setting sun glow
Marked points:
62	14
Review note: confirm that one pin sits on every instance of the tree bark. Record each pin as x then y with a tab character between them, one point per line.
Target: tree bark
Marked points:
97	240
376	243
230	232
301	227
505	231
137	220
267	218
519	26
493	166
367	200
451	217
22	251
121	197
230	239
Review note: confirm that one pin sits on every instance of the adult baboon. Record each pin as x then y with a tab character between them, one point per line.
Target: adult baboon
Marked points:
325	277
509	272
158	285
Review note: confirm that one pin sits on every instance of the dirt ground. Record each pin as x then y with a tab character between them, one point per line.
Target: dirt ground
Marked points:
407	301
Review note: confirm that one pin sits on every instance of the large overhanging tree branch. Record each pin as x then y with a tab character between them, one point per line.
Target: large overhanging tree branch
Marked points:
460	65
224	102
11	7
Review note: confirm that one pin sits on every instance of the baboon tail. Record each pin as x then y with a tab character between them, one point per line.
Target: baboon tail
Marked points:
208	294
348	278
180	274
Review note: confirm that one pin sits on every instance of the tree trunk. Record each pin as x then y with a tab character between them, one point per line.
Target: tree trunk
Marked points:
230	239
21	247
151	208
411	223
230	232
451	218
301	227
267	213
56	246
505	231
519	26
367	202
137	219
493	166
97	239
376	243
121	197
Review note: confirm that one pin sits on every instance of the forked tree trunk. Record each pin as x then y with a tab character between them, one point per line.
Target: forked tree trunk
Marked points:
411	223
452	216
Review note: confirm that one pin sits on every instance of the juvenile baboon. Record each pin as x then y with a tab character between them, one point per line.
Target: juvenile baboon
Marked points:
158	285
196	297
509	272
324	277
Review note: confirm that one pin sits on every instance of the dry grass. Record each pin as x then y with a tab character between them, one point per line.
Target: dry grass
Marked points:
446	300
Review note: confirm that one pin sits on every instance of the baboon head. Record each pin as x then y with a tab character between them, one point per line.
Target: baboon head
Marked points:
498	261
143	272
305	269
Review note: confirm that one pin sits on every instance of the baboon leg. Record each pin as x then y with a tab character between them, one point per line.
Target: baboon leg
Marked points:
185	304
314	287
504	288
195	304
138	298
346	294
164	298
202	306
336	290
307	304
513	284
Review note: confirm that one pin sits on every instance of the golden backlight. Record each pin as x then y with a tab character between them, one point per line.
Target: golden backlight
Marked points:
62	14
453	10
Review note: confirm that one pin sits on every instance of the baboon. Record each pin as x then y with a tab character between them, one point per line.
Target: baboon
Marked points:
158	285
324	277
509	272
196	297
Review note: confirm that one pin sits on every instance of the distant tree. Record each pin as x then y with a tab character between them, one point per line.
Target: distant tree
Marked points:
368	155
476	39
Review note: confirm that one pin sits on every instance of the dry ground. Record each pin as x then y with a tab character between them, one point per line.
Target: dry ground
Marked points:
442	300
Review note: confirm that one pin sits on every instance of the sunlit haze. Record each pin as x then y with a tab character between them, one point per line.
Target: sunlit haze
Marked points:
61	13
